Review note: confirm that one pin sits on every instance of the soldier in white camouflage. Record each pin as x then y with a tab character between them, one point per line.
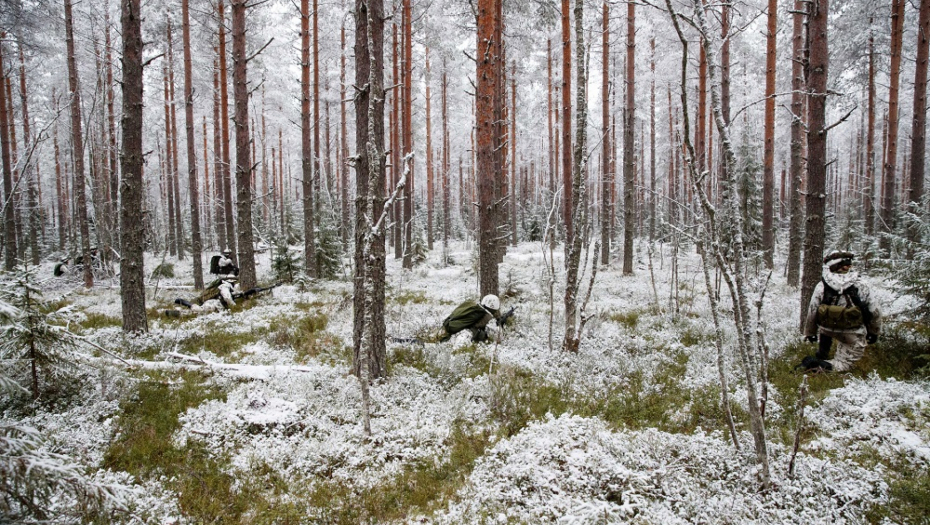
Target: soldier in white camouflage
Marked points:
842	309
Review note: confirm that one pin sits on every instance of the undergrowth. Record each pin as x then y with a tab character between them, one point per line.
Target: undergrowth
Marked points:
419	489
144	447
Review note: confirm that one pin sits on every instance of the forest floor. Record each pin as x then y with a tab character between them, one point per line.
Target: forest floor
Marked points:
250	416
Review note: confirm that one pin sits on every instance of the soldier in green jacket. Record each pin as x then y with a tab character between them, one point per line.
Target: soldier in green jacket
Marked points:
475	317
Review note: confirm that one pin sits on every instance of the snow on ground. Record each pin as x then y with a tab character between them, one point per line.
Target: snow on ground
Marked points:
574	470
306	421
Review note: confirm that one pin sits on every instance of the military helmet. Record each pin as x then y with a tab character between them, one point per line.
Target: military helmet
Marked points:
491	302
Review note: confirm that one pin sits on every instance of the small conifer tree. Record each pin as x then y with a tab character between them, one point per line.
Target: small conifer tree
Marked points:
32	344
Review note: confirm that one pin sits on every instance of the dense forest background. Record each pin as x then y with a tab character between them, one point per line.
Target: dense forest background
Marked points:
375	163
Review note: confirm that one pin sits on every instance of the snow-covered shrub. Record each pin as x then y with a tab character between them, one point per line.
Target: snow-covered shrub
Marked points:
32	347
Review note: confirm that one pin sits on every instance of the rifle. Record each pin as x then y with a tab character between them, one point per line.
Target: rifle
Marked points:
502	320
249	293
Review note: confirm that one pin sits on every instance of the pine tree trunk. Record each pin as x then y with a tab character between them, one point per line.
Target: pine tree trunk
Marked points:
513	155
406	109
29	171
891	159
768	162
606	174
113	169
77	141
566	124
9	230
243	160
60	192
430	190
629	120
919	122
205	208
344	145
795	231
132	237
816	153
227	200
175	170
306	137
446	208
219	198
652	141
487	131
316	196
193	188
169	184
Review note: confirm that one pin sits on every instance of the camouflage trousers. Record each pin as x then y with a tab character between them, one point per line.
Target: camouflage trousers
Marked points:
850	347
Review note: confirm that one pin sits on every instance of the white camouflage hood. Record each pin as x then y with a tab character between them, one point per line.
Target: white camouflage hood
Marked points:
840	281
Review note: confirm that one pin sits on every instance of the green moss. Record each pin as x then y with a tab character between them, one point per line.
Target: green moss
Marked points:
218	342
419	489
628	318
95	321
145	448
408	297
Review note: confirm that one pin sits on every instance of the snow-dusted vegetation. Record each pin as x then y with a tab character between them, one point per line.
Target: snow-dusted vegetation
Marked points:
264	419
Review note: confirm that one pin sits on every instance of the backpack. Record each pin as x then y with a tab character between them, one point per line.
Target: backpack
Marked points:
215	264
837	316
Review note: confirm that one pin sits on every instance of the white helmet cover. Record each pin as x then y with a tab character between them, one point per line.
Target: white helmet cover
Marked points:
491	302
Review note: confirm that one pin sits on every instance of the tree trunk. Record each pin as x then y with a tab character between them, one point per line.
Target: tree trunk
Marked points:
919	123
629	120
306	151
487	134
816	153
406	109
429	161
132	230
77	141
60	192
227	200
196	243
652	141
446	208
113	198
606	175
891	159
219	213
396	93
9	230
28	170
175	175
368	329
243	160
316	197
566	125
513	155
572	339
169	184
344	145
795	232
768	162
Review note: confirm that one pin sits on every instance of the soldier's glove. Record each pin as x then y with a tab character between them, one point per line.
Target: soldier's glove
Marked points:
504	319
871	338
811	338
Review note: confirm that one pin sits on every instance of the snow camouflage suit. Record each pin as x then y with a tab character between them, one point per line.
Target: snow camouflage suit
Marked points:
468	315
842	289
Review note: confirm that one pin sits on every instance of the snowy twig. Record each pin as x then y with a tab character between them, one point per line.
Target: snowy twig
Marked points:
802	397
